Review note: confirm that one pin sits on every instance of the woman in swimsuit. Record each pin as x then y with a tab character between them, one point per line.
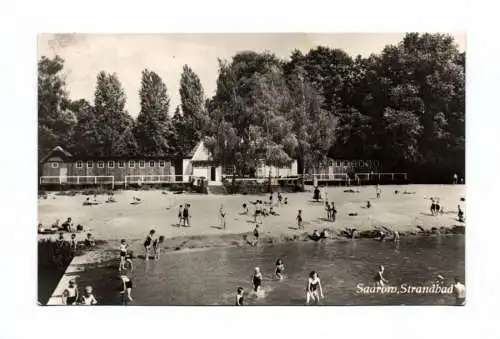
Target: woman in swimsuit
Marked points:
70	294
379	278
148	243
239	296
88	298
257	279
157	246
280	267
313	289
299	220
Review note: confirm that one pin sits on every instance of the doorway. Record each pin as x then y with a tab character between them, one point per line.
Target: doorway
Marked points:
212	174
63	174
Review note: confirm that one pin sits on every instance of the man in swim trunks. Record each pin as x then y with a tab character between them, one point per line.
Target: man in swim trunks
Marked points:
459	291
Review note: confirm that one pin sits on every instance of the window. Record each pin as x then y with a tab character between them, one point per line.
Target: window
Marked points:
54	165
79	164
142	163
354	163
121	164
346	163
368	163
162	163
131	163
100	164
89	164
111	164
361	163
151	163
338	163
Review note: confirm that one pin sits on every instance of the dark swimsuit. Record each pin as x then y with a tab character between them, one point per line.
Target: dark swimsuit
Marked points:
257	281
279	269
123	253
240	301
147	243
185	213
313	287
128	284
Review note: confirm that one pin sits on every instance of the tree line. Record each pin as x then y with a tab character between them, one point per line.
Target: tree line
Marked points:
404	106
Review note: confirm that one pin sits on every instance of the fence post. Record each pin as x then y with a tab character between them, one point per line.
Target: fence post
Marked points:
78	180
392	176
95	180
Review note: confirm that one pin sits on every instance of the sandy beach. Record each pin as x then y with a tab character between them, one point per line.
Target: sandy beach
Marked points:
159	208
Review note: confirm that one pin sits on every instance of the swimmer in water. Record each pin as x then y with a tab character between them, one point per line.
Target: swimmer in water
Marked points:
379	278
70	294
313	290
257	279
89	241
280	268
157	246
126	288
239	296
459	292
88	298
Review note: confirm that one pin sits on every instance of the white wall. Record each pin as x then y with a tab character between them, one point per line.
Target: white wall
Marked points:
263	171
187	169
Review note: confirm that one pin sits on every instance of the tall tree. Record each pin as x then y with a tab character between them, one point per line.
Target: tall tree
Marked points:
153	130
55	119
86	137
193	107
115	125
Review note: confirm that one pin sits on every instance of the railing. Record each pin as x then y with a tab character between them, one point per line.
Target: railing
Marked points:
152	179
326	177
379	176
78	180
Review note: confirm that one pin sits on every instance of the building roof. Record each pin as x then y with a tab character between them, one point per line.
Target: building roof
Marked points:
193	151
57	149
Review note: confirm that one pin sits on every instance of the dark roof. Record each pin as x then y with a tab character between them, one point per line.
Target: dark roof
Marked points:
57	149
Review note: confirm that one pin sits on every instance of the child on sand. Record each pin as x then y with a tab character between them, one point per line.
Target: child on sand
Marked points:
123	254
313	290
89	241
73	242
148	243
126	289
186	216
378	190
88	298
379	278
245	209
328	210
280	198
222	217
299	220
280	268
257	279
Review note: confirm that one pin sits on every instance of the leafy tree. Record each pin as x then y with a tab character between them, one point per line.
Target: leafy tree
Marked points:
55	119
86	137
153	130
114	124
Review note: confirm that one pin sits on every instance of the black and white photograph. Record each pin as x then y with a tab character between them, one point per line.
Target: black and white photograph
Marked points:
251	169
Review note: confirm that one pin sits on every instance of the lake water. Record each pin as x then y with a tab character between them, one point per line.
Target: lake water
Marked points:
210	277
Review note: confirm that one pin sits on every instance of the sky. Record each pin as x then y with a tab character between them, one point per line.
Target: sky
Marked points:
128	54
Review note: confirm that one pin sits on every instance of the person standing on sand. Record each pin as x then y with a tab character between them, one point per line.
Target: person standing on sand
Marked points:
459	291
179	215
378	190
222	217
186	216
455	179
300	225
313	287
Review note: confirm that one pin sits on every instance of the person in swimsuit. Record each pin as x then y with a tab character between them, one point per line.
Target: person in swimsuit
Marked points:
179	215
148	243
328	210
256	232
313	290
299	220
378	190
257	279
460	214
70	294
123	254
280	198
368	204
239	296
285	201
157	246
68	225
333	212
459	291
222	217
379	278
73	243
60	241
280	268
126	289
88	298
245	209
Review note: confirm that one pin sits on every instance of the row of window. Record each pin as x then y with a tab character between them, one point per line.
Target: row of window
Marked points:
360	163
111	164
